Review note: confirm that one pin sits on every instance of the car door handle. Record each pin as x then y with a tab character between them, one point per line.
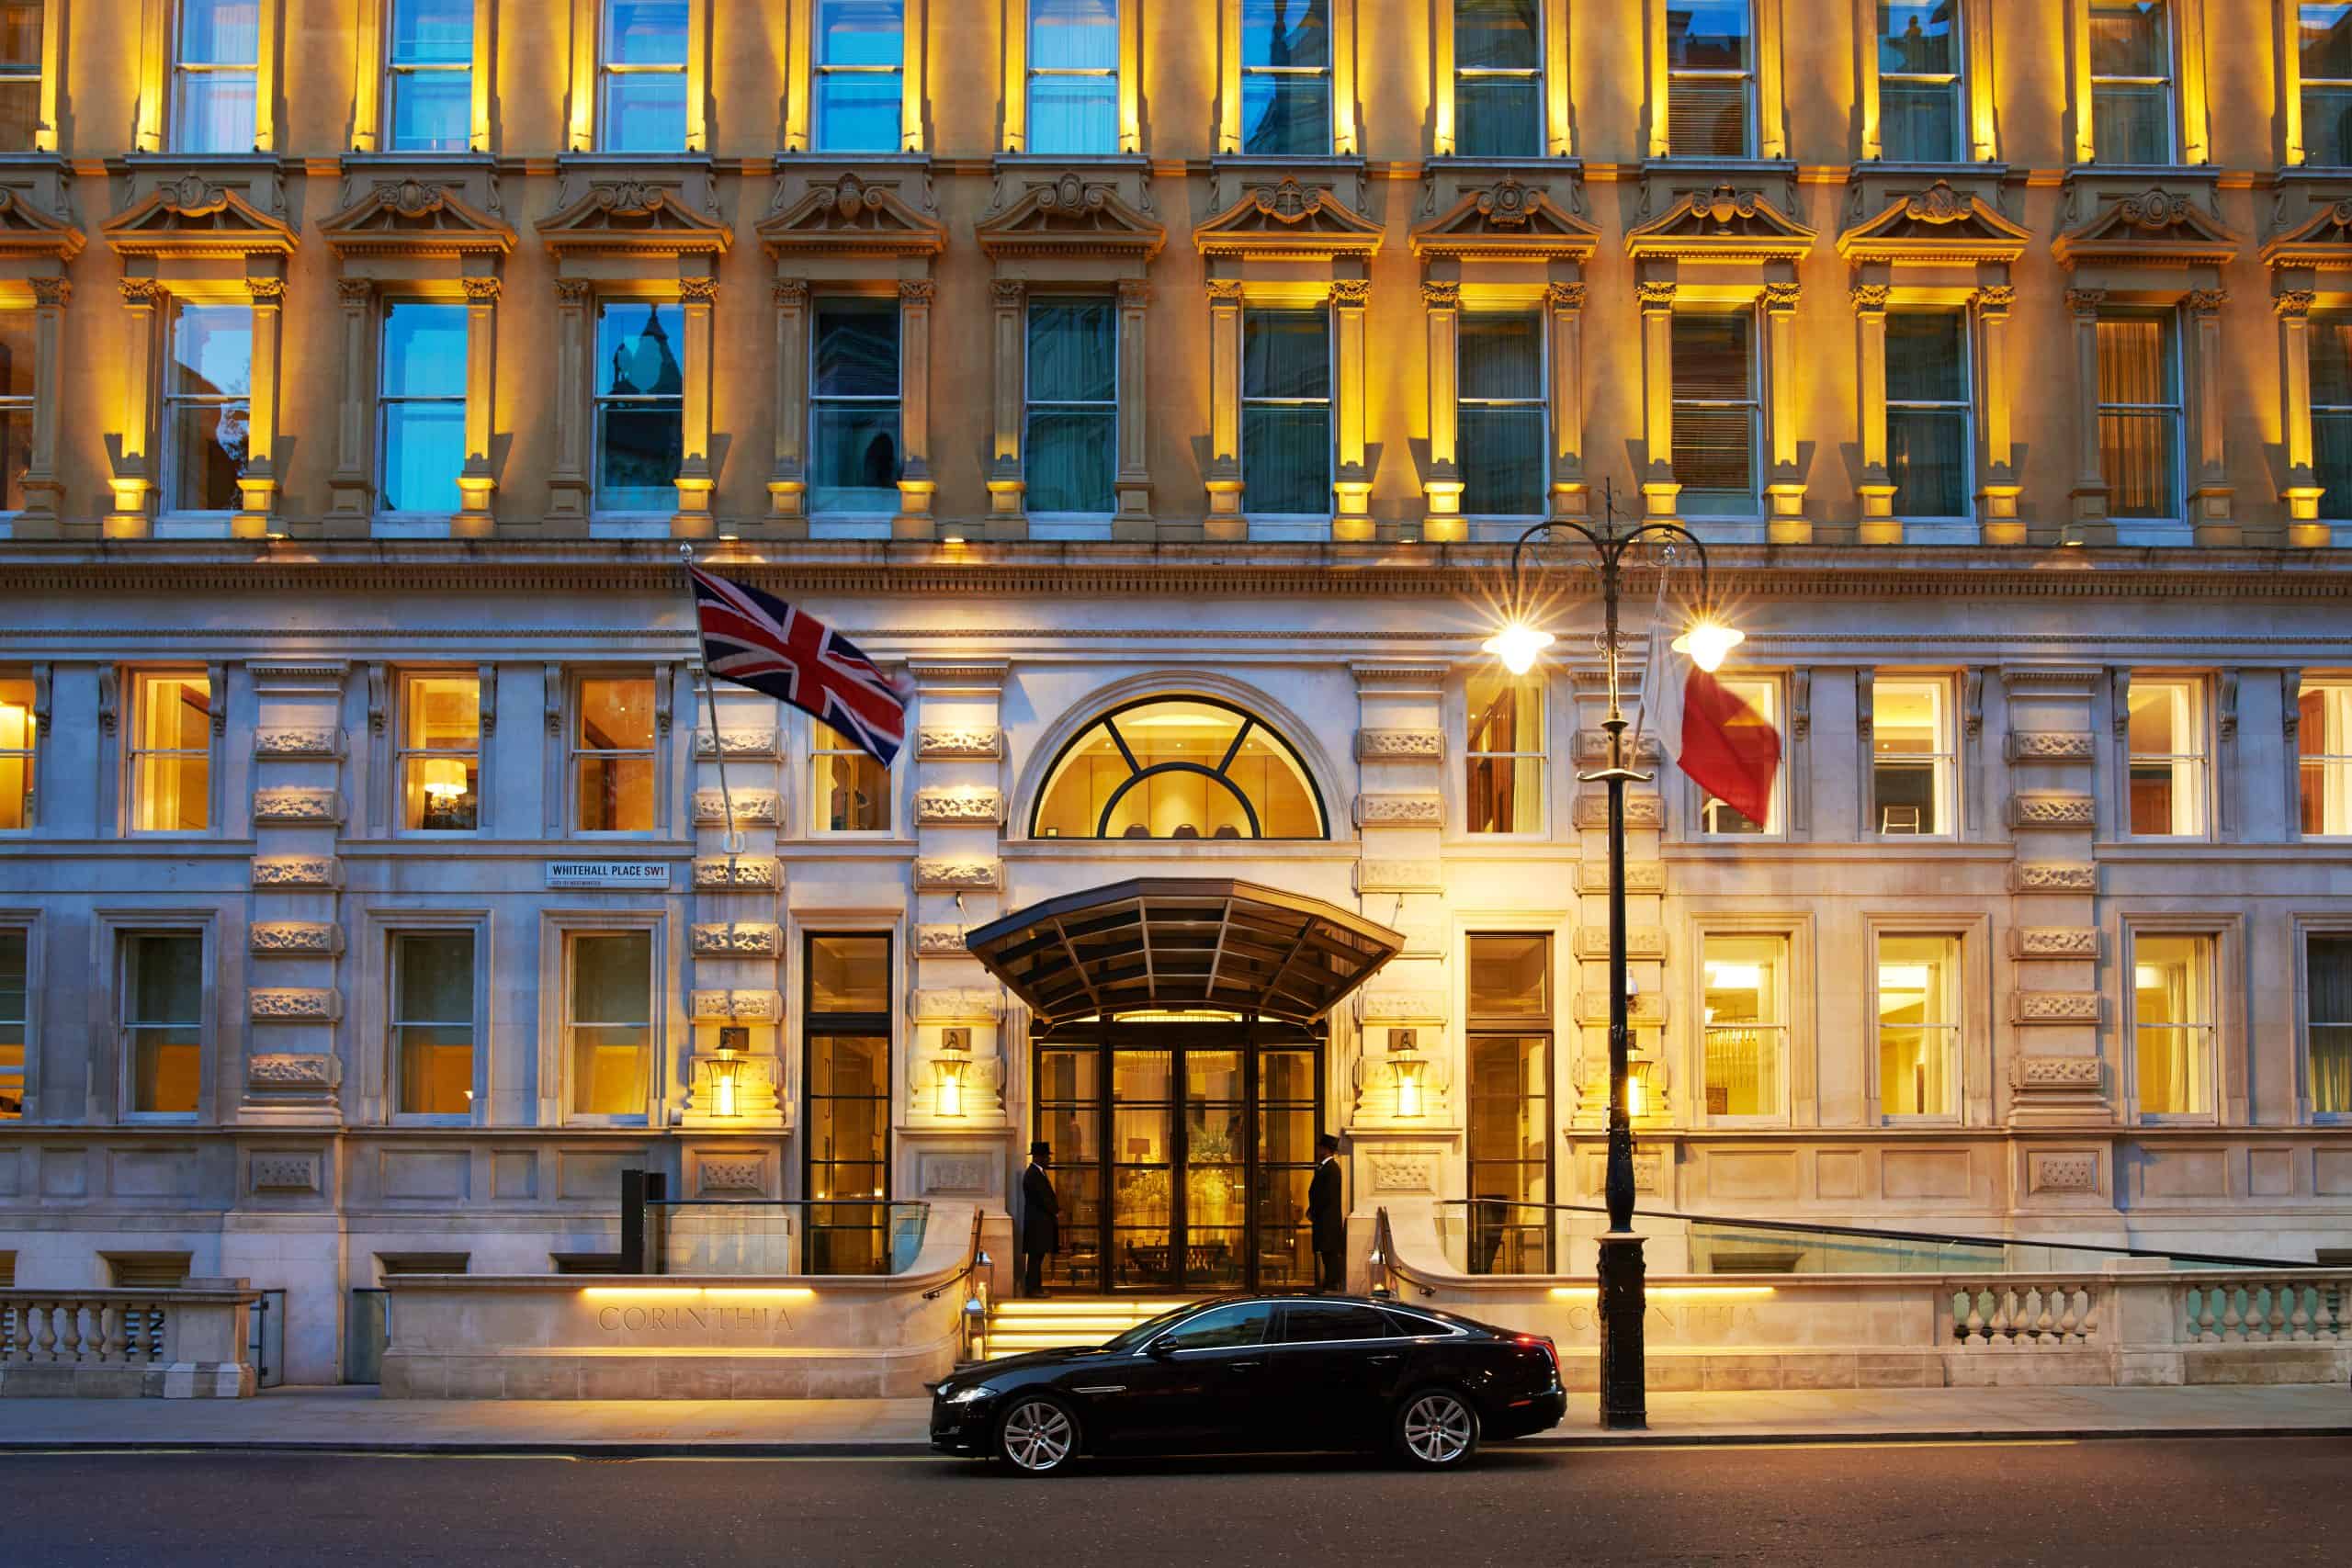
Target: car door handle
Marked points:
1244	1366
1385	1360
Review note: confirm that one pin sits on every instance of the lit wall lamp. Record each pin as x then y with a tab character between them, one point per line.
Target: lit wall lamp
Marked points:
1407	1068
1637	1086
734	1044
949	1070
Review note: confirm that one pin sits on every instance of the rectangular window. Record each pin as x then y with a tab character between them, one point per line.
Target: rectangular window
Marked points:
1717	818
1504	783
2172	1023
847	1173
2168	753
171	751
608	1021
1510	1095
216	64
2331	356
207	414
861	76
2130	50
852	790
421	406
1286	413
2327	1017
21	24
1912	760
641	405
1919	68
440	762
1710	79
1918	1025
1929	442
1286	77
429	75
643	72
1070	445
1744	1023
1718	413
162	1020
16	1019
1502	414
2322	741
20	366
19	748
611	753
2324	58
2140	415
1074	77
433	1022
1497	79
854	407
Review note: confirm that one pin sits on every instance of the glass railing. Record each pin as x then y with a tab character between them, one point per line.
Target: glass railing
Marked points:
764	1237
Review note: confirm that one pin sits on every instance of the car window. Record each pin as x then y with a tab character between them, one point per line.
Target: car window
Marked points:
1415	1327
1244	1323
1335	1320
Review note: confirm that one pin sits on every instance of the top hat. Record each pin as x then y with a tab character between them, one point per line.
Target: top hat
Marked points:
1325	1140
1041	1150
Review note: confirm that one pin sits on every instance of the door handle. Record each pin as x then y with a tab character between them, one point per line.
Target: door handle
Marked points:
1244	1366
1384	1360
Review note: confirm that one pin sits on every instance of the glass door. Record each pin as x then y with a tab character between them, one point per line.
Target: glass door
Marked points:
1143	1169
1216	1175
1290	1084
1069	1117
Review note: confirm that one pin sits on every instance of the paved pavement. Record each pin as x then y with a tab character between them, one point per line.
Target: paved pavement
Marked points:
356	1419
2274	1503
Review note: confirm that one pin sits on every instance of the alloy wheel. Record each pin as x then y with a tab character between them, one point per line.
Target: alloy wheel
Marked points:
1038	1436
1437	1428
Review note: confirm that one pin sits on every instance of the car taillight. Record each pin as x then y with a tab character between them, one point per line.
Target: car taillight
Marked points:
1551	1351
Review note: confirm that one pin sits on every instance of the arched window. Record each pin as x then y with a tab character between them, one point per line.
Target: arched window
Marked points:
1179	768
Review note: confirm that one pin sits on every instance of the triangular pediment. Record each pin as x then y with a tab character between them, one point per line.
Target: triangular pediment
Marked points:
2155	226
1937	224
410	218
635	218
2322	241
1299	222
190	216
1723	224
854	216
1071	215
1504	221
26	229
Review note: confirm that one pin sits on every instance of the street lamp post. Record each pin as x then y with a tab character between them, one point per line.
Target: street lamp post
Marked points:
1623	1391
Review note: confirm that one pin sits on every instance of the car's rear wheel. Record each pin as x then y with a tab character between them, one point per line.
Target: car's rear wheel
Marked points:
1036	1435
1436	1428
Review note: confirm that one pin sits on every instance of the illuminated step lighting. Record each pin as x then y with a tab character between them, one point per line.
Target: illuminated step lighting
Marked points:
1671	1293
698	1293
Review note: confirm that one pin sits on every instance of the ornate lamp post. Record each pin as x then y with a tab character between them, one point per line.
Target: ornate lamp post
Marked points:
1624	1394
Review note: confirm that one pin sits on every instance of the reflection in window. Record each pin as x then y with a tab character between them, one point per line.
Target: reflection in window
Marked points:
16	1019
2130	50
1497	79
2172	1023
1911	757
1286	413
440	765
861	50
1746	1023
422	403
1509	1138
1504	780
1918	1025
852	790
433	1022
854	407
641	405
1503	415
2330	357
19	745
1179	768
643	70
1711	79
2327	1018
1225	1328
1286	77
1927	440
2324	48
2168	754
1070	450
1511	977
171	752
162	1011
611	754
1762	698
2140	415
608	1021
1074	76
846	1172
215	66
1918	79
2322	741
21	22
19	365
429	77
206	415
1718	413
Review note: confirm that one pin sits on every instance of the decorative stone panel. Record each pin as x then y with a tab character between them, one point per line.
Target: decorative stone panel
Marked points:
294	1004
2053	876
721	872
2054	1073
956	1173
962	1004
752	806
1399	810
1400	745
958	807
1641	810
280	1070
1399	877
1401	1007
287	873
280	744
2053	941
1403	1172
2053	1007
284	1173
2042	809
1641	942
298	807
295	939
731	1173
973	742
737	1007
1641	877
2051	746
1641	1007
740	939
940	942
958	876
752	742
2069	1171
1592	748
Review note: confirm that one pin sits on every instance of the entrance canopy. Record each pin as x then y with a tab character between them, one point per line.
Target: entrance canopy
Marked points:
1173	943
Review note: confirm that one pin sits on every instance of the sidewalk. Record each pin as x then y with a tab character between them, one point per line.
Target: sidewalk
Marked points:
357	1420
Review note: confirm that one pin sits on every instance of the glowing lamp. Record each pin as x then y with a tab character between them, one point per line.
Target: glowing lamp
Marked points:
950	1083
445	779
1518	646
727	1068
1637	1087
1709	642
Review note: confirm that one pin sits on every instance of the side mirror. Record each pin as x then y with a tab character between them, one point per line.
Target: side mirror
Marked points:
1161	1348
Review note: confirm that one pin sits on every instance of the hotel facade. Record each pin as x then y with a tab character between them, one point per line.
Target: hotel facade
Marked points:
1158	387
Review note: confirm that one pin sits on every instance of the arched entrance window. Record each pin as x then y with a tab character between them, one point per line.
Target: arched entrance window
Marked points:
1182	767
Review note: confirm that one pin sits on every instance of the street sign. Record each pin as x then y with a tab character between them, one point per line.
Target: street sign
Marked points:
639	874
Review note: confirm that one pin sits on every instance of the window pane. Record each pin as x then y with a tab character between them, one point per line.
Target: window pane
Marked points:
639	449
1713	358
21	31
1511	977
1926	457
2171	1010
2135	360
425	447
1224	1327
1714	459
1287	33
2128	39
437	977
219	32
853	789
848	974
1918	36
432	111
2137	456
616	715
1073	351
436	1069
1743	1024
1286	460
15	455
1497	116
1909	764
859	32
424	350
216	112
857	349
442	712
166	1067
20	112
2327	126
18	737
645	112
1287	114
432	33
2328	967
208	442
1918	1024
1072	460
1073	35
1706	118
612	978
1497	35
2332	358
1926	356
2131	124
1503	355
2323	40
1920	121
13	1017
645	32
859	112
636	349
1074	114
1707	35
1503	460
175	713
212	351
1285	353
166	978
854	457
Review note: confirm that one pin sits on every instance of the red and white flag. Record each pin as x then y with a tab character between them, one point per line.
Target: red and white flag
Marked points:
1726	747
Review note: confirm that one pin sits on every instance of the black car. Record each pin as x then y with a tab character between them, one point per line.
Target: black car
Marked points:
1258	1372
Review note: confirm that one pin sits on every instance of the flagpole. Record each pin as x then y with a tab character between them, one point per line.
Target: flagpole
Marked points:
734	844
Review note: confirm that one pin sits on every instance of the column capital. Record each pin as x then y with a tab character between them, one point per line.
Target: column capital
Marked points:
141	291
916	291
482	290
2206	302
2294	304
789	293
1225	291
698	290
1135	293
1009	290
1993	300
1780	298
573	291
1350	293
1565	295
1657	298
355	291
1869	299
2084	302
52	293
1441	294
266	290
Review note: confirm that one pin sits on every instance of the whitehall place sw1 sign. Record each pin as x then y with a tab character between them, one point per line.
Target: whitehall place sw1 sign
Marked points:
608	873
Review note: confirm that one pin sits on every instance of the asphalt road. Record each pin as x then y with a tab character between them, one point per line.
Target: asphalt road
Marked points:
2270	1501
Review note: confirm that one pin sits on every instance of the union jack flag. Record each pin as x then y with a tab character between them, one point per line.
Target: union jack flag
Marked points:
757	640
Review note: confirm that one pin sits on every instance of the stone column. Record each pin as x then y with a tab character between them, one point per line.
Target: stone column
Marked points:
475	480
1008	484
568	481
1784	521
1441	483
257	486
916	487
2210	500
1352	482
135	479
1564	305
44	490
1659	488
788	476
1876	492
2090	525
1997	489
2303	490
1134	483
697	296
1225	519
352	484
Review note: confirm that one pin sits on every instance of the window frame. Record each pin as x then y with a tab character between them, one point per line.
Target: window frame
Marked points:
404	754
1030	404
1329	402
1776	829
1749	80
1471	756
2335	504
1514	1026
2333	692
1335	144
2306	931
1943	759
40	77
2175	410
29	753
138	678
2170	82
1966	406
1795	1027
1538	74
819	828
608	68
169	404
27	923
122	932
386	401
819	68
395	72
601	402
1956	80
22	405
1955	1031
885	1025
1031	70
819	400
182	69
1758	403
616	922
396	934
2192	714
1098	716
2216	951
1540	402
575	680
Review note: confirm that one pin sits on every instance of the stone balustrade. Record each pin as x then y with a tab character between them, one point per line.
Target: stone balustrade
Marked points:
102	1344
2010	1312
2263	1311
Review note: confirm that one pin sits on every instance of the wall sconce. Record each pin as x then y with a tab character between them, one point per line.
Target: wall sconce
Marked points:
734	1043
1637	1087
949	1070
1406	1066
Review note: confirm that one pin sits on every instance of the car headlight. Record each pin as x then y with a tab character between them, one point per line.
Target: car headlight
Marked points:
966	1395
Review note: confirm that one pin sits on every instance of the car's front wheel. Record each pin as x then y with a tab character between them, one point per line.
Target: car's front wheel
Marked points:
1036	1435
1436	1428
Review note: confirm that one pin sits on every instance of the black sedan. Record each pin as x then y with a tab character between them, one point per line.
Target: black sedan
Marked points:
1258	1372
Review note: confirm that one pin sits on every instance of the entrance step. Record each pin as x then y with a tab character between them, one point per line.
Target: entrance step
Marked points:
1059	1323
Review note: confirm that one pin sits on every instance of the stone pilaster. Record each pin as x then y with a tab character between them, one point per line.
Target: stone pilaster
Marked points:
697	302
2090	524
916	487
1997	487
292	1015
1668	1096
788	475
1659	488
737	886
1876	492
568	479
1224	478
351	487
2210	503
1784	519
1398	814
1134	483
1442	480
1352	481
258	485
44	489
1564	308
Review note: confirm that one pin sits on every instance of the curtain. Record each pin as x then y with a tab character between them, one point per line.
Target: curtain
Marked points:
2139	446
1503	421
2130	121
1714	446
1071	454
2328	975
1497	116
1286	444
1073	114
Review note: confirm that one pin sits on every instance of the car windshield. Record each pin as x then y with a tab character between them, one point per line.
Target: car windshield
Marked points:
1150	1328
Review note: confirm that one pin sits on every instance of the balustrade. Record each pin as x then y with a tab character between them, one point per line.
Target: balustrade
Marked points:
105	1328
2262	1311
2009	1312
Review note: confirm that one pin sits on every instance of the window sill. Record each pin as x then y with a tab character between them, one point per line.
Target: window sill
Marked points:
159	1119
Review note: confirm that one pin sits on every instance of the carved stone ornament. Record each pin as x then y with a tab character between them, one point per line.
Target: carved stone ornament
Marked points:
720	873
322	741
288	873
51	293
1400	745
1641	942
958	807
299	806
1655	295
2085	304
27	230
281	1070
1869	299
2053	1007
2052	745
1441	294
1641	877
410	218
482	290
1352	293
850	215
953	1174
958	875
1068	216
1565	295
283	1173
2054	1072
294	1004
2053	876
751	806
940	942
737	1007
2051	810
1398	1171
2068	1172
1643	1007
957	1004
1592	748
1399	877
1399	810
970	741
634	218
740	939
1723	224
191	217
1592	810
1306	223
730	1175
294	939
1387	1006
746	743
2053	941
1937	225
2156	225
